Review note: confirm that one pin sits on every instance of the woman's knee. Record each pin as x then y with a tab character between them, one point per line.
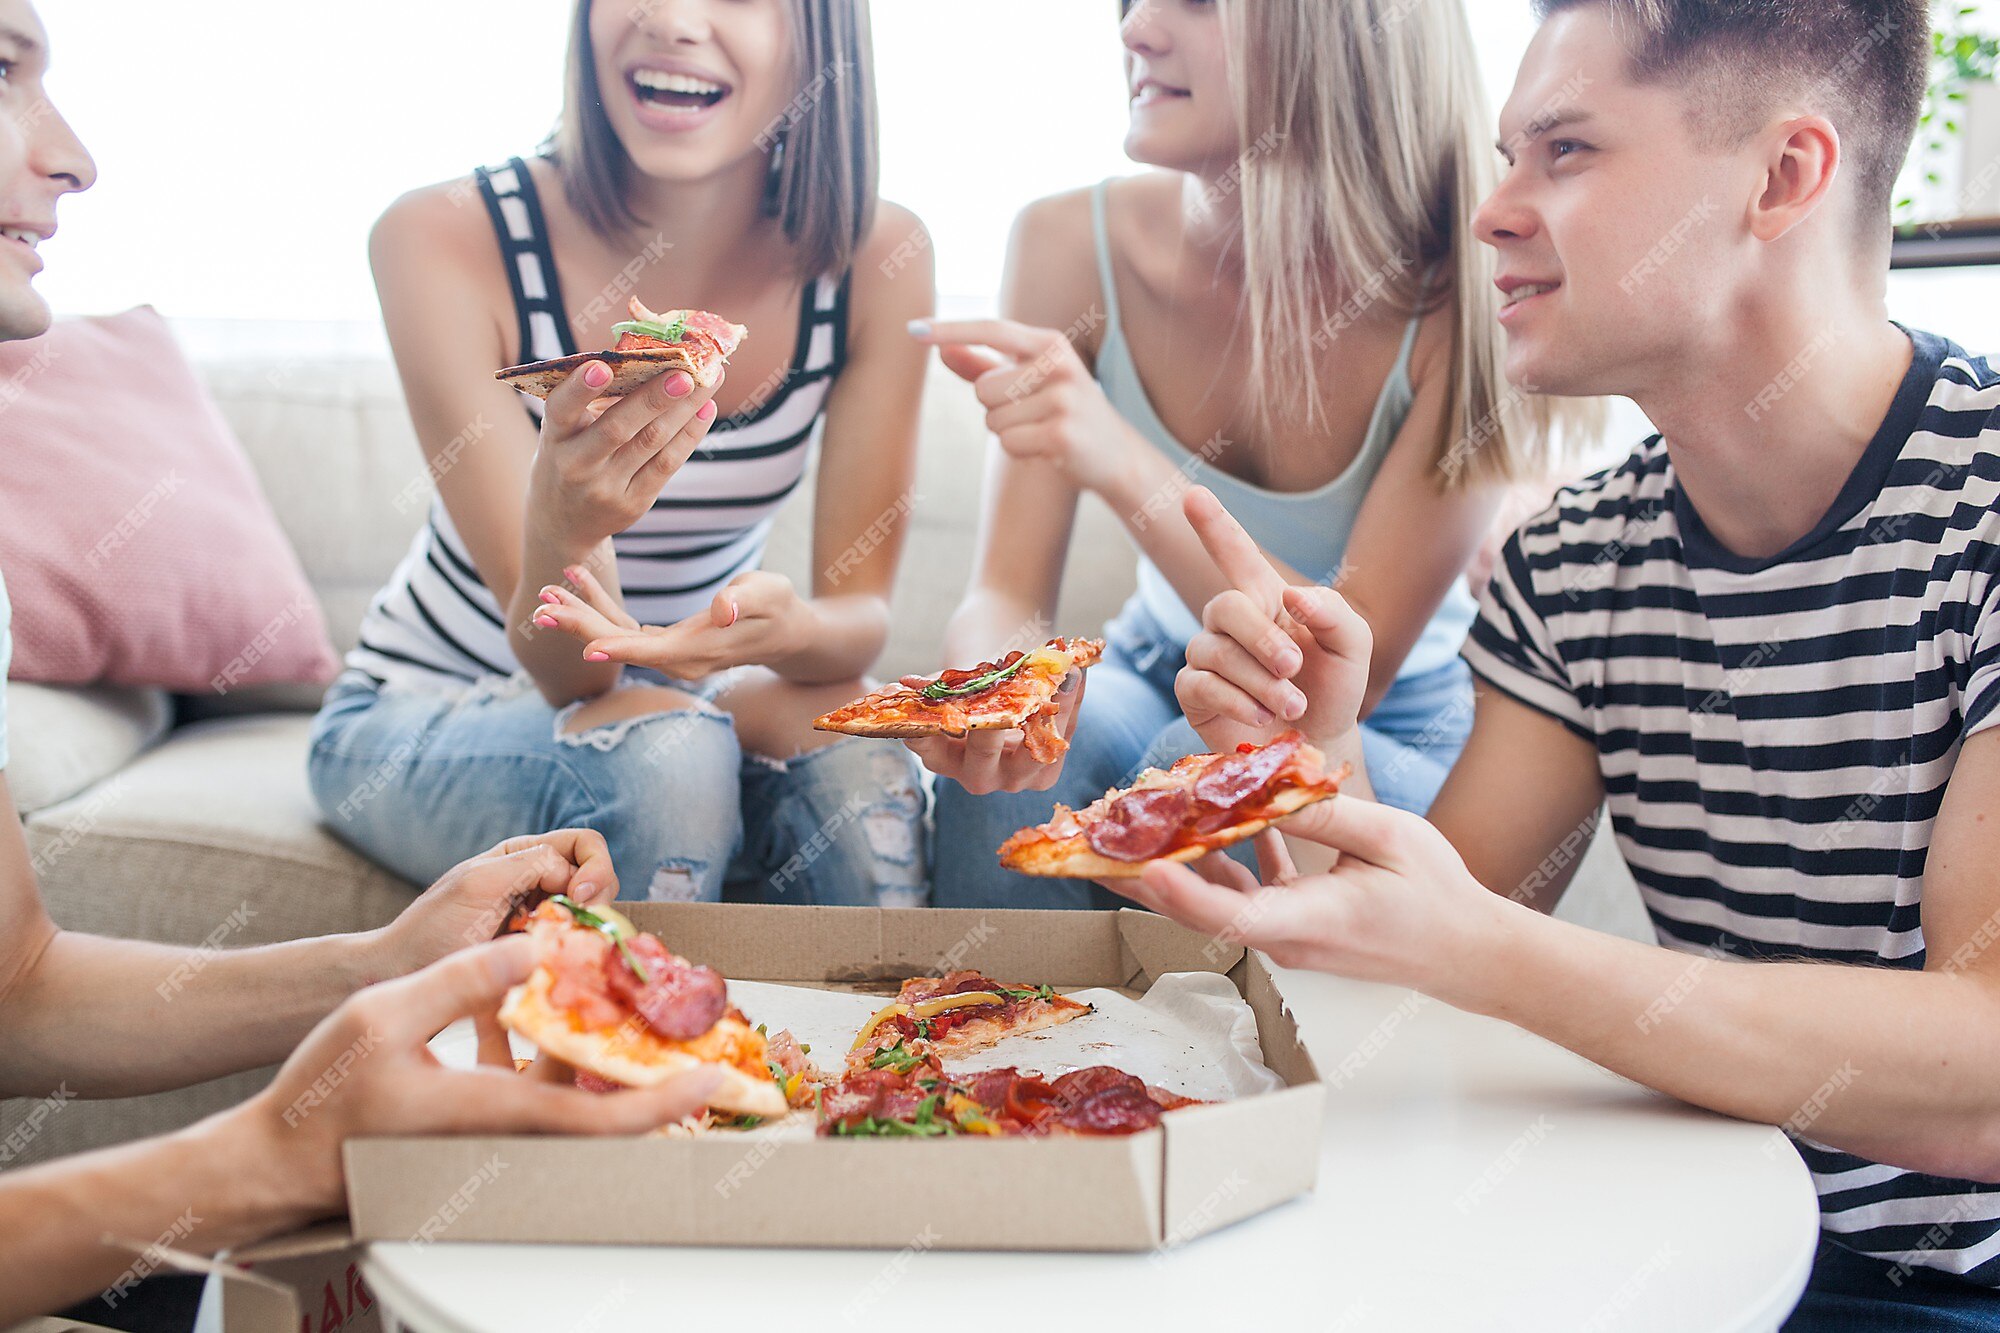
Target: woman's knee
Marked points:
662	787
842	824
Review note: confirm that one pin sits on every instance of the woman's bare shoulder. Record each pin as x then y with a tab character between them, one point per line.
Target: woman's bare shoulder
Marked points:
442	222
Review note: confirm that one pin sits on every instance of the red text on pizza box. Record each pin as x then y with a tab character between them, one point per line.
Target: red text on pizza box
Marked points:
1199	1169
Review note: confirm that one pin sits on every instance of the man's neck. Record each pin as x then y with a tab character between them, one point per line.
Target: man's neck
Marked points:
1765	427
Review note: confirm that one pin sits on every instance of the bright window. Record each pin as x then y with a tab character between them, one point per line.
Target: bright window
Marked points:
245	146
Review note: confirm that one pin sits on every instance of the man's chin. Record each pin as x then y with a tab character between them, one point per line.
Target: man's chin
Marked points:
23	314
1535	367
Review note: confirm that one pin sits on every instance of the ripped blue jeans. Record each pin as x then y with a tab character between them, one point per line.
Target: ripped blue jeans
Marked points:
419	780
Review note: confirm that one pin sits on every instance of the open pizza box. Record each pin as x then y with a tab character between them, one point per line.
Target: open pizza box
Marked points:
1201	1168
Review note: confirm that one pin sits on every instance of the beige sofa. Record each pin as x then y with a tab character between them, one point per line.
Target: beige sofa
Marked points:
160	819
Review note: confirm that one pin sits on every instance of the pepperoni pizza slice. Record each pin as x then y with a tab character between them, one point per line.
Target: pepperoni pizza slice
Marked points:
649	345
934	1018
619	1006
1203	803
1019	690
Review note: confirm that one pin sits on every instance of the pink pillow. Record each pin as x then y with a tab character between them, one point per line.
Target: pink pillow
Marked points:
135	542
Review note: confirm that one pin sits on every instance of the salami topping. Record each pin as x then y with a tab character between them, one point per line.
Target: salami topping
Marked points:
1140	824
1080	1084
1240	776
678	1000
1116	1110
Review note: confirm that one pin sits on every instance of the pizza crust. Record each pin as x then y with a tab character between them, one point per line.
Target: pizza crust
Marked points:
629	371
1030	852
630	1054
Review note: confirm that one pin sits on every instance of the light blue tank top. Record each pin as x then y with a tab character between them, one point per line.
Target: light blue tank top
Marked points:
1308	530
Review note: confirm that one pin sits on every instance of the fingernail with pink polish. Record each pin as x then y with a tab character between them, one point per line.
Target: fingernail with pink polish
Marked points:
707	412
546	622
597	374
597	657
679	385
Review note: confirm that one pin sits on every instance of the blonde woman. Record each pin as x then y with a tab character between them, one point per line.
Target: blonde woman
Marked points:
1292	309
715	154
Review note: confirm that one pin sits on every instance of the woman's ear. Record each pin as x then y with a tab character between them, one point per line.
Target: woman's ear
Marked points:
1798	177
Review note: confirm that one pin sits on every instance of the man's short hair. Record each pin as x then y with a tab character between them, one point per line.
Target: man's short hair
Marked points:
1863	64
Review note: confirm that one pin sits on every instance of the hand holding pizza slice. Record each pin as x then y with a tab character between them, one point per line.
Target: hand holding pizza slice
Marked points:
1024	700
649	345
1204	803
619	1005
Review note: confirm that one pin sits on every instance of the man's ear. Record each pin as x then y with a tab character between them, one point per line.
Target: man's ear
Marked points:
1804	163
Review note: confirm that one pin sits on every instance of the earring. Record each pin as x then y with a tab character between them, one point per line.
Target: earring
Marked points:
774	179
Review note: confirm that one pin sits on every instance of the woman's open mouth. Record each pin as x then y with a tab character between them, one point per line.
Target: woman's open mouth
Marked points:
675	94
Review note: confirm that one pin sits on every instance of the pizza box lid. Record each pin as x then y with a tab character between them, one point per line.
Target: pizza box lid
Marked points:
1201	1169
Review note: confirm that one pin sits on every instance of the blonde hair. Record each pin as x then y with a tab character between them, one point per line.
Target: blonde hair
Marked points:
827	180
1366	146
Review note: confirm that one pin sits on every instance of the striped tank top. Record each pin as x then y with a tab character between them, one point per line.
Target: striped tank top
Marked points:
436	622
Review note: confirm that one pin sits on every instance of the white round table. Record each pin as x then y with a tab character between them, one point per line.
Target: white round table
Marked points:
1474	1177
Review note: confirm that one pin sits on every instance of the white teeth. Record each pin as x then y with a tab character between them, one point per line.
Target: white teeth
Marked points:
1520	294
27	238
661	82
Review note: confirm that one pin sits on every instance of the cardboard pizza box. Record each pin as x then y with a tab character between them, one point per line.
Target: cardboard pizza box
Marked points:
1201	1169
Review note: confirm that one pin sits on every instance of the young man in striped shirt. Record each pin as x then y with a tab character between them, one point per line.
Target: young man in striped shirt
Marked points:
1770	638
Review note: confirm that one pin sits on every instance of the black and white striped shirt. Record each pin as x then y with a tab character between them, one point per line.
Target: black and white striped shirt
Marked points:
437	623
1775	735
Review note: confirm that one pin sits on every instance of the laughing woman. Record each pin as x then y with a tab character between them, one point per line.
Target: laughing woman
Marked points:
712	154
1292	310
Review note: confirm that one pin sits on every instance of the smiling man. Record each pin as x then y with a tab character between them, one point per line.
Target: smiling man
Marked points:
1770	638
82	1016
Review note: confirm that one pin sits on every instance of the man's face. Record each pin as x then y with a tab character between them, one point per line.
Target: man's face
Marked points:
1620	237
40	162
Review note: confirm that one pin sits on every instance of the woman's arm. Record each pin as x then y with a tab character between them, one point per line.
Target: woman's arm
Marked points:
527	506
868	457
1029	508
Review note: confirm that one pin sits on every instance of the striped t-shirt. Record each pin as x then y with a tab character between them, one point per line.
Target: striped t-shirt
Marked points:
1775	735
436	622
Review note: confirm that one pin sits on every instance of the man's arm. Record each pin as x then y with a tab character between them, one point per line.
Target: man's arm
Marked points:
1899	1067
273	1163
1896	1066
96	1017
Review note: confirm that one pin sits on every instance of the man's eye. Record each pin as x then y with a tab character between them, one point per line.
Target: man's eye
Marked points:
1563	148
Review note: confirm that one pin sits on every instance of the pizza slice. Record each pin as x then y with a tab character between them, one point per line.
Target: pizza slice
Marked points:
925	1102
1203	803
649	345
1019	690
618	1005
935	1018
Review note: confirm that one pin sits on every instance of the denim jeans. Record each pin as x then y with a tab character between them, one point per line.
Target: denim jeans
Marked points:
420	780
1861	1293
1130	722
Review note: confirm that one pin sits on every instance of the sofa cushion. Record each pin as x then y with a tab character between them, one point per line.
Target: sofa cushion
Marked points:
216	819
138	548
333	446
66	738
